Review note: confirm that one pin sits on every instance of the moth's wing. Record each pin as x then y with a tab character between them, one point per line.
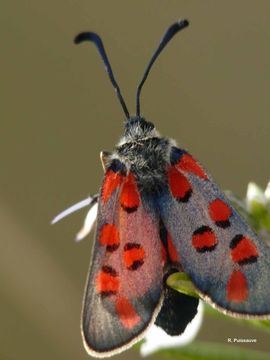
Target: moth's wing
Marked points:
225	259
124	288
178	309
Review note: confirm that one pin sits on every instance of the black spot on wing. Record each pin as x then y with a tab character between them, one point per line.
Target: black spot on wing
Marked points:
223	224
236	240
186	197
106	294
129	210
131	245
250	260
109	270
206	248
202	230
136	265
112	248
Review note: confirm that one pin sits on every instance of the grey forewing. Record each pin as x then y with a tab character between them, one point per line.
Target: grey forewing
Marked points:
147	159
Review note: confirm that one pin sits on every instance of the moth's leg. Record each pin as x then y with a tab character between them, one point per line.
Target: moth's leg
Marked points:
104	156
89	201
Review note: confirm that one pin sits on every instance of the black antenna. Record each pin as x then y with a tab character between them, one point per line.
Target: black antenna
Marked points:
173	29
90	36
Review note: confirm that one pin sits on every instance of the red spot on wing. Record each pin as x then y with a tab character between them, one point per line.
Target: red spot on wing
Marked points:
126	312
111	182
179	184
133	256
171	250
237	287
129	198
244	250
187	163
204	239
107	281
219	211
109	236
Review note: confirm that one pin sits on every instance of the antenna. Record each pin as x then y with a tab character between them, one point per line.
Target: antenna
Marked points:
169	34
93	37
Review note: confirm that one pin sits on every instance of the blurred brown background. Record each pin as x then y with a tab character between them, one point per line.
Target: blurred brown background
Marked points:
209	90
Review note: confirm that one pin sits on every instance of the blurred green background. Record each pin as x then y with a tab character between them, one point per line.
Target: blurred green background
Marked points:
209	90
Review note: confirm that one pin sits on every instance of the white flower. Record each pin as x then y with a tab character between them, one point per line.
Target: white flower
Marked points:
157	339
267	192
255	194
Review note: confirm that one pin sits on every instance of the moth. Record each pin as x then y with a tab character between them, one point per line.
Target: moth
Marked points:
158	212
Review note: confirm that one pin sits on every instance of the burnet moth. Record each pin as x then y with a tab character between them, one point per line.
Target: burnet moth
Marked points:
158	212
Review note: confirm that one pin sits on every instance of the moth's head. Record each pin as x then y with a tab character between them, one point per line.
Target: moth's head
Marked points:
138	128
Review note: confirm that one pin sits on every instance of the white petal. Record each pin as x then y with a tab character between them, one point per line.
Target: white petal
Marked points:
88	223
255	193
267	192
157	339
81	204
